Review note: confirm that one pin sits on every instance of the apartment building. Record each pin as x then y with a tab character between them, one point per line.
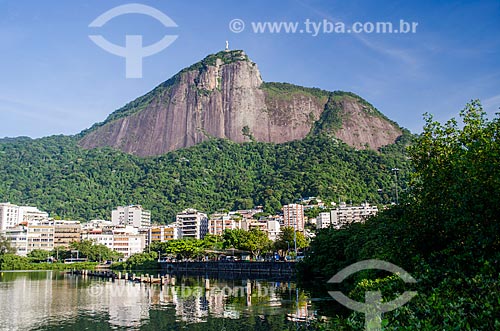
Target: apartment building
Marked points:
29	215
133	215
128	241
99	237
9	216
192	224
344	214
163	233
293	216
66	232
220	222
13	215
323	220
18	237
40	236
273	229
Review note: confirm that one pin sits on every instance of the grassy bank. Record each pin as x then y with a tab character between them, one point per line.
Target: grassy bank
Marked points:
14	262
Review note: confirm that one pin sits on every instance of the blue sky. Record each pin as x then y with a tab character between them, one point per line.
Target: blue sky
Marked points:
55	80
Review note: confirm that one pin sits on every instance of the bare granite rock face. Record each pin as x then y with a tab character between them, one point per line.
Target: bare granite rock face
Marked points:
224	96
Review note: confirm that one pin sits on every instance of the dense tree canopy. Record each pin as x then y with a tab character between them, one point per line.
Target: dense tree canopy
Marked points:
57	176
445	232
94	252
286	240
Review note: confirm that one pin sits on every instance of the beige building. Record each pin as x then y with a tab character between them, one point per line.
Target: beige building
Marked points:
164	233
126	240
66	232
221	222
41	236
293	216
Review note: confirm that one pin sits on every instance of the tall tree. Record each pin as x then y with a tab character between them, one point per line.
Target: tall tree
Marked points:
286	241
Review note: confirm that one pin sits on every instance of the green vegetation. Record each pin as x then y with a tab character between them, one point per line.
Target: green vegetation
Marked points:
225	57
69	182
41	259
330	119
15	262
285	90
285	243
89	250
139	261
253	241
445	233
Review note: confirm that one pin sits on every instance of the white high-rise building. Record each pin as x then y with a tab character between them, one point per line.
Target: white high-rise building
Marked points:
192	224
9	216
323	220
13	215
133	215
293	216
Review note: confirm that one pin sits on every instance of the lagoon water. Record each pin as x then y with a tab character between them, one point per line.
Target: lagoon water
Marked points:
53	300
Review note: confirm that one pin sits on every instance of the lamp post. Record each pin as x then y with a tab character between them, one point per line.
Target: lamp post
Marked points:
395	170
295	237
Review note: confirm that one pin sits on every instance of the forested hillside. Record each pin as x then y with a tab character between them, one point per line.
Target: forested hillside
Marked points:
58	176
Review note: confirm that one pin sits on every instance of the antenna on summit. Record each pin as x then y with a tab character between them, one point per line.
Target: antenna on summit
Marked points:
227	46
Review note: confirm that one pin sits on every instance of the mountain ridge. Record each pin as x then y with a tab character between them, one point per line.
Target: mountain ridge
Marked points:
224	96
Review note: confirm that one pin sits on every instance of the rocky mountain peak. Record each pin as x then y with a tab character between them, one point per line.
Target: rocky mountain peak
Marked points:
223	96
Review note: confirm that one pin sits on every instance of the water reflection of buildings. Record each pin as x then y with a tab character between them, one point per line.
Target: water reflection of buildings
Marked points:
29	299
32	297
26	300
194	304
129	304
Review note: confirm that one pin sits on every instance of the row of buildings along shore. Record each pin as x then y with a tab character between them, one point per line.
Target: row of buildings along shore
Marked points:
131	230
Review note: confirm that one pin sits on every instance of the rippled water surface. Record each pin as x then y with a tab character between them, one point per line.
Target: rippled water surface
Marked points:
54	300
